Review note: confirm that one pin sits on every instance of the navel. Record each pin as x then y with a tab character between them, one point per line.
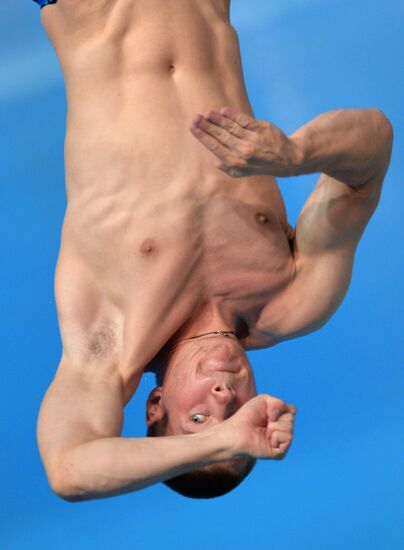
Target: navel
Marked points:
171	68
148	247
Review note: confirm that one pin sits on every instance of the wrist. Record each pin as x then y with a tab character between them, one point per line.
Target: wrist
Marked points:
300	155
219	442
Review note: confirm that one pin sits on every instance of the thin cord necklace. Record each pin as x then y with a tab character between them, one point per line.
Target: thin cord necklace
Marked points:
220	332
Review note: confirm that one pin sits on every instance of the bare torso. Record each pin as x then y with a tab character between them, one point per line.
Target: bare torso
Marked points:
154	234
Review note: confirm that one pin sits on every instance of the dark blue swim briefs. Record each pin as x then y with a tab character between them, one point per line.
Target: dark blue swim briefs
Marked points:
43	3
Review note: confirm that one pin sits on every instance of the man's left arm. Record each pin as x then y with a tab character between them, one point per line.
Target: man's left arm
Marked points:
351	148
350	145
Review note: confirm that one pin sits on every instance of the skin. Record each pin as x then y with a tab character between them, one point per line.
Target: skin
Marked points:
215	379
175	226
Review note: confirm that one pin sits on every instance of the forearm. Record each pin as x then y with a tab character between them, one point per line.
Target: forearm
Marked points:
348	144
111	466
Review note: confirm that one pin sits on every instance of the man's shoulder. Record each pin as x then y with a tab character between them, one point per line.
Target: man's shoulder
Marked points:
307	303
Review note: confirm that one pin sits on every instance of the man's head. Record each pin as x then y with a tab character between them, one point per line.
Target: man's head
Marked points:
204	381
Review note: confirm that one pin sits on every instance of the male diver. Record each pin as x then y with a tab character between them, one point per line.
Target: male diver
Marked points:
176	255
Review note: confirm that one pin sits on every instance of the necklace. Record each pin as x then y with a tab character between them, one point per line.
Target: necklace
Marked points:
219	332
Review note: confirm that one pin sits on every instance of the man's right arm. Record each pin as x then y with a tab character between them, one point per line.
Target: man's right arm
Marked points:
81	419
79	425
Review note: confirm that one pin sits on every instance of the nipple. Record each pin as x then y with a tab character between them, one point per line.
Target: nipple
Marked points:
148	247
261	218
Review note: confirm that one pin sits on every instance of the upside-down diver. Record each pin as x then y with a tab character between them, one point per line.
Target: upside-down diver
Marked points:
176	255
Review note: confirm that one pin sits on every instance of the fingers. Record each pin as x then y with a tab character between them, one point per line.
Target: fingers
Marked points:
242	119
279	431
280	435
286	417
278	438
285	423
212	143
264	427
227	126
282	426
226	132
278	409
225	137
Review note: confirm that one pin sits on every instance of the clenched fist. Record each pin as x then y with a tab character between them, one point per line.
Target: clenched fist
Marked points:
261	428
246	146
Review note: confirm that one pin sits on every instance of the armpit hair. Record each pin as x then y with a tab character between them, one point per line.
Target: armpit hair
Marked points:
102	341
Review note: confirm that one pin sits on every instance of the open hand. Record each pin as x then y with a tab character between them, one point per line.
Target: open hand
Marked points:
261	428
245	146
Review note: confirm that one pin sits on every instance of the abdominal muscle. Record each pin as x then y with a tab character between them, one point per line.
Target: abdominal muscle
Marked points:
152	229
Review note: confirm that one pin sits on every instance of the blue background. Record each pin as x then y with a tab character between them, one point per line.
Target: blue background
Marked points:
341	485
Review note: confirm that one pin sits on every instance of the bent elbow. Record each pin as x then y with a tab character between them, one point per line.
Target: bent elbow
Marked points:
63	489
62	484
385	127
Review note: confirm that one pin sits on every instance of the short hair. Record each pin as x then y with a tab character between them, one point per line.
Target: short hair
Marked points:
211	481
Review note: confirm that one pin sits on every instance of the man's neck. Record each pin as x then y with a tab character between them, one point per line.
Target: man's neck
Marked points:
216	332
208	324
209	321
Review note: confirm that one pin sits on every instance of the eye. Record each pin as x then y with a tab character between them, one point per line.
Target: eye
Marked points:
198	418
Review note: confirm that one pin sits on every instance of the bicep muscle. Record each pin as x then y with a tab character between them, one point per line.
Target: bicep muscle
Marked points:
80	405
334	216
327	233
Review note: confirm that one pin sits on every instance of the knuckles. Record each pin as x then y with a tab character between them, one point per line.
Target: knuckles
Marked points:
277	403
247	151
232	162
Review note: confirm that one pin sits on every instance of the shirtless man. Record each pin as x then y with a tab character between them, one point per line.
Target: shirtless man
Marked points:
176	256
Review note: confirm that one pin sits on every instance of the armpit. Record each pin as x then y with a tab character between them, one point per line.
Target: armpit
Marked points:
102	341
91	346
290	235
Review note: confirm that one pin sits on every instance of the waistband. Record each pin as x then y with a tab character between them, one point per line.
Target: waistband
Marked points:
44	3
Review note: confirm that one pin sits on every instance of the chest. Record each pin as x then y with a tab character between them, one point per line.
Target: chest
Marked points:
152	267
247	257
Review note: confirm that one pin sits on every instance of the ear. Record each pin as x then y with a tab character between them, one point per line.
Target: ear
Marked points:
154	406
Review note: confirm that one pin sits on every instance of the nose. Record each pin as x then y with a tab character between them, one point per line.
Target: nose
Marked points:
223	393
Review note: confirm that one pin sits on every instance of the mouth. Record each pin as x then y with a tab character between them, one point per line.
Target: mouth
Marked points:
219	366
223	359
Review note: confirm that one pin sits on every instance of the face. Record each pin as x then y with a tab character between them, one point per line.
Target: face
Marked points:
207	380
